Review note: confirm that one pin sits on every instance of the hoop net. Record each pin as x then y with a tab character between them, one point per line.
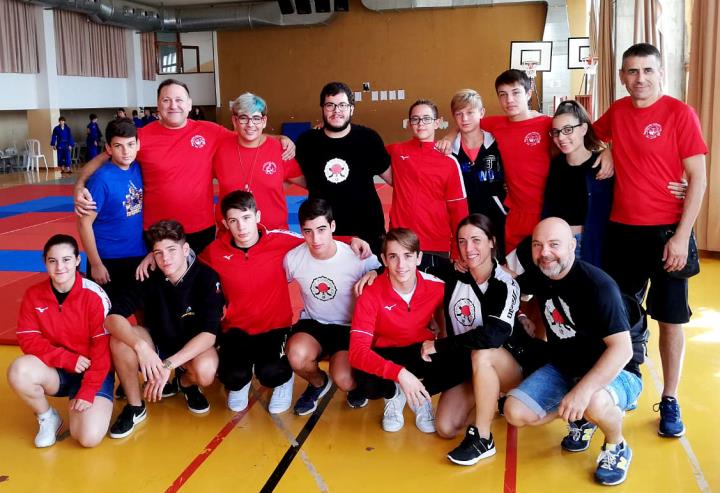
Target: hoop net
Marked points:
590	64
529	68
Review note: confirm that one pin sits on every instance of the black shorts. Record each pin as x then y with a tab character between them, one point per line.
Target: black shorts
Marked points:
241	353
633	256
122	275
331	337
445	371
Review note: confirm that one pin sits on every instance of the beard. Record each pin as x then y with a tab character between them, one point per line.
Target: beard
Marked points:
332	128
556	268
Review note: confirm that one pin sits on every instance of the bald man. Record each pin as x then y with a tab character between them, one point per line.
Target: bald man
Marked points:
594	352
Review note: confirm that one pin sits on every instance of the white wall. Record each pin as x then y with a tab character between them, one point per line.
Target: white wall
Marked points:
202	88
92	92
19	91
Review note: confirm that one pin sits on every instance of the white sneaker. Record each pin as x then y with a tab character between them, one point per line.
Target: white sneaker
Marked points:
424	417
393	419
237	400
50	424
282	397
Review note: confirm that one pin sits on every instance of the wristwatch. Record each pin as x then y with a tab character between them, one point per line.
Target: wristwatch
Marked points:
167	364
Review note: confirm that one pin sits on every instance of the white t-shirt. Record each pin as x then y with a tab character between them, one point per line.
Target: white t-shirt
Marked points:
326	285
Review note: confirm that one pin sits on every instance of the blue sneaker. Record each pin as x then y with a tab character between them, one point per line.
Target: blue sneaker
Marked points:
579	435
613	463
670	423
307	402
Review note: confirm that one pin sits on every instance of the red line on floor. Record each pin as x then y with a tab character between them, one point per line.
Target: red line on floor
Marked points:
212	445
511	459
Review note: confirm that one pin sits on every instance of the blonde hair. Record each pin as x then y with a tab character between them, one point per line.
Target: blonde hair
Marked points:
464	98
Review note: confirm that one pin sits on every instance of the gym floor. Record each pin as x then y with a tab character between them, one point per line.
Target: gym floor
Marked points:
337	448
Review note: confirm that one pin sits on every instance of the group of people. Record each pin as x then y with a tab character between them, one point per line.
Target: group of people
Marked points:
511	205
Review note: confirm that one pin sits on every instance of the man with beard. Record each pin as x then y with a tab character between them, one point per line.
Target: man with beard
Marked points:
594	353
340	161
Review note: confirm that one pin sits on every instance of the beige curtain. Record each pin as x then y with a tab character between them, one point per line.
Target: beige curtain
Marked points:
88	49
149	56
18	37
704	96
602	42
648	26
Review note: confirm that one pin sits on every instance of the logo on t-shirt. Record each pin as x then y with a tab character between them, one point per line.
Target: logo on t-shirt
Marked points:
269	168
133	200
464	311
197	141
532	139
653	131
337	170
323	288
41	309
559	322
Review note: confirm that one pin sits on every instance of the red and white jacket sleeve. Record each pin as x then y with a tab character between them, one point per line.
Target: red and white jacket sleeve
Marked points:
33	341
361	354
100	361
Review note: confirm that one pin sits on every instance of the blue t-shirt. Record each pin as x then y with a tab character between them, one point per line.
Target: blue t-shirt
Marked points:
118	226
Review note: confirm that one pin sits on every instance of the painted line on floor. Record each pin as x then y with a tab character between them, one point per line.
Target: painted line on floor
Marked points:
29	226
213	444
511	448
319	481
702	483
295	446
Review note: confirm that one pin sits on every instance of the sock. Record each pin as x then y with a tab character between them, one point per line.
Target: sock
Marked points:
46	414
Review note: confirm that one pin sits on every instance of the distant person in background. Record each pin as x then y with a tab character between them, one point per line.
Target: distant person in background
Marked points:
94	136
147	117
136	119
197	114
62	141
154	115
120	113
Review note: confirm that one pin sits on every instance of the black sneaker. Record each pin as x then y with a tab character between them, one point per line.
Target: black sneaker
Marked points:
196	402
307	402
127	419
472	448
171	388
356	400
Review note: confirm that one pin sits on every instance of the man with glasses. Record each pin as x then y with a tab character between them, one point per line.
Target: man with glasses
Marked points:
428	189
340	161
655	140
250	161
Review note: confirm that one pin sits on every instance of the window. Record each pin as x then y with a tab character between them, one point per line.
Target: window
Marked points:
173	57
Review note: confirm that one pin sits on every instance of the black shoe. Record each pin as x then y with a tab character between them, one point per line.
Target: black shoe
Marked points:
196	402
356	400
120	393
127	419
171	388
472	448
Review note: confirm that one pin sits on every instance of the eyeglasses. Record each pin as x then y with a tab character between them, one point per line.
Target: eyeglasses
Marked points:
425	120
340	106
244	119
566	130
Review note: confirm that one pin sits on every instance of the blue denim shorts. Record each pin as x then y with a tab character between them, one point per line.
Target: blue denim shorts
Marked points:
543	390
70	385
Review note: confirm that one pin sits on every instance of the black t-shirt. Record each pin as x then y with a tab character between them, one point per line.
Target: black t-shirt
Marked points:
579	311
342	172
175	313
566	193
484	177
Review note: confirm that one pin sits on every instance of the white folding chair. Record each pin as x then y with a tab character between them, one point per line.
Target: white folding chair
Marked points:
34	155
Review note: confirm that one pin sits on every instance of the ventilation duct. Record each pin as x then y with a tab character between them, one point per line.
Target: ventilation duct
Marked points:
144	18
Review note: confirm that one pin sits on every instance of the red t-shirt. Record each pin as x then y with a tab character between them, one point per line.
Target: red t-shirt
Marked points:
428	193
648	146
525	147
383	319
260	170
177	172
